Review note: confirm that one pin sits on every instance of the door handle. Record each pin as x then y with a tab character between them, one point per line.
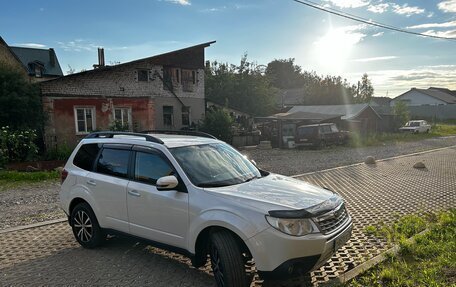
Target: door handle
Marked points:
91	182
134	193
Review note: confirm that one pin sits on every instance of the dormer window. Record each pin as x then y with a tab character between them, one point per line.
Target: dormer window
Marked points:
38	71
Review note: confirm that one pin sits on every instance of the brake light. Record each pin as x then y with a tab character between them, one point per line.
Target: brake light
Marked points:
63	175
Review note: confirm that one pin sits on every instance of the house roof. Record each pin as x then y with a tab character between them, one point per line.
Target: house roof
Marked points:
441	94
156	57
380	101
300	115
44	57
347	112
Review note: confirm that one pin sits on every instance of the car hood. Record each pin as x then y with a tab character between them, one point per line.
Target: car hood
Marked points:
276	191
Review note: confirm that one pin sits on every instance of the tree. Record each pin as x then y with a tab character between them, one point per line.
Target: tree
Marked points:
401	112
218	122
240	86
365	90
20	102
284	74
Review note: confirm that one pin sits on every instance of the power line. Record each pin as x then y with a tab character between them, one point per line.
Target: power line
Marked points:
366	21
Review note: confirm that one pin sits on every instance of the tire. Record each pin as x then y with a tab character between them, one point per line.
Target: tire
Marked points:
85	226
227	261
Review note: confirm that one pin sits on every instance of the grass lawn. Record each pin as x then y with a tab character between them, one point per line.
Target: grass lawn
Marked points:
12	179
429	260
438	130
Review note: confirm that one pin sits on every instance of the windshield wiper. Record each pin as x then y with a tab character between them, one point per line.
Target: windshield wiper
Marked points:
250	179
213	184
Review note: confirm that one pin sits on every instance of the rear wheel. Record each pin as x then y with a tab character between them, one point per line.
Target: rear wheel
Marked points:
227	260
85	226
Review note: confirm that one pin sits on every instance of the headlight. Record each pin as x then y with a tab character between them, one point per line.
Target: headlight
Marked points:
291	226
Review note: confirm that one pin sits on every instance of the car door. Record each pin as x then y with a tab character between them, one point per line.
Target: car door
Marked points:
160	216
109	182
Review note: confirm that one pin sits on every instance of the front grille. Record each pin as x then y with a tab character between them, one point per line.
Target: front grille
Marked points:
332	220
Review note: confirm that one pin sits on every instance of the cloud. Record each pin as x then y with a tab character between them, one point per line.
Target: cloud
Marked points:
434	25
31	45
379	8
375	59
445	34
349	3
378	34
407	10
180	2
447	6
430	14
214	9
80	45
395	82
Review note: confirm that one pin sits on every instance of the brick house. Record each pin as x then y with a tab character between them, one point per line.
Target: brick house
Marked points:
159	92
36	65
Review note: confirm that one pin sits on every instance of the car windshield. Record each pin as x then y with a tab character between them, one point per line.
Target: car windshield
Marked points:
214	165
413	124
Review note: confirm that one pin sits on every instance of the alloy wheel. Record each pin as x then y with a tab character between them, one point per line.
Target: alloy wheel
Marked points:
83	226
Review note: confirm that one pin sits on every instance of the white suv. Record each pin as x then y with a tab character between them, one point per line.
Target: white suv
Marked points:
198	196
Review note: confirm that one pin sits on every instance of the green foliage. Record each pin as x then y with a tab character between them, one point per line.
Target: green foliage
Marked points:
13	179
284	74
366	90
61	152
118	126
429	260
16	145
240	86
20	102
401	112
218	123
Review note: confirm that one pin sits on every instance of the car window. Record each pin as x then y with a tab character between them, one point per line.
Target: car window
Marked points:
86	155
325	129
151	166
113	162
334	129
306	131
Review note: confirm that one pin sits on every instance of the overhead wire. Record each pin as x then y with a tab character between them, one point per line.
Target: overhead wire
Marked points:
366	21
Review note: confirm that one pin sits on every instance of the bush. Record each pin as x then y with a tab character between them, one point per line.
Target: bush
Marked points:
16	145
218	123
61	152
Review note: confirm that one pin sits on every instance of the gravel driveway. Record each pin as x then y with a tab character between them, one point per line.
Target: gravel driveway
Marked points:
38	202
298	161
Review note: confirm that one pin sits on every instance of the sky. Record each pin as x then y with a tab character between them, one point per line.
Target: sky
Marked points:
264	29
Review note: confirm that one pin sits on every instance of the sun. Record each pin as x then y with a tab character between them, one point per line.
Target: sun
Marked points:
333	50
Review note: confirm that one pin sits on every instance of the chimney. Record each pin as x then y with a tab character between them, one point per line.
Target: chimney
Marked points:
101	59
52	57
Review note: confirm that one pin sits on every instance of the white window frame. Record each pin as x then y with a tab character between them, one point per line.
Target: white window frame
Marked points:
94	116
122	109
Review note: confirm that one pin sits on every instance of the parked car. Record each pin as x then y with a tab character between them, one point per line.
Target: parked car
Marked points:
320	135
416	126
198	196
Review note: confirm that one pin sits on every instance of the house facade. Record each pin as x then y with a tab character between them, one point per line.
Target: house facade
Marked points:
421	97
36	65
159	92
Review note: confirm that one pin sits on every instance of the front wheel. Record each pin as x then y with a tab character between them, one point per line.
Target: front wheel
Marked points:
85	226
227	261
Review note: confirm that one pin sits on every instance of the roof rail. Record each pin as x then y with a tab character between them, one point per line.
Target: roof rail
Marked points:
110	134
184	133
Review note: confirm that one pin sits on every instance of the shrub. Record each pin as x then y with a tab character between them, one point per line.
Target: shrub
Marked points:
218	123
16	145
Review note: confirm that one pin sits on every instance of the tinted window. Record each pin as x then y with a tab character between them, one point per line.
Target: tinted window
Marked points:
113	162
151	166
307	131
325	129
86	155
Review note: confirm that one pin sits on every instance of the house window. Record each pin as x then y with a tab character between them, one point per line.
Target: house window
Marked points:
176	73
185	116
122	116
84	119
167	79
168	116
38	71
188	80
143	75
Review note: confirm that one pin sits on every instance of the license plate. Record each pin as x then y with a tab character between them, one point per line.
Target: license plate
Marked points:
342	239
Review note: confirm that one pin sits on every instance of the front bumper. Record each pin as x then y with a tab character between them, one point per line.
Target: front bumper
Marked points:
278	255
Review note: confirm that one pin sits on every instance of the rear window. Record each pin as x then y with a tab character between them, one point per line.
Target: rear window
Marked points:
306	131
86	155
113	162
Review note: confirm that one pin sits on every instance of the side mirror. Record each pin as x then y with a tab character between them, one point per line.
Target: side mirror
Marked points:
167	182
